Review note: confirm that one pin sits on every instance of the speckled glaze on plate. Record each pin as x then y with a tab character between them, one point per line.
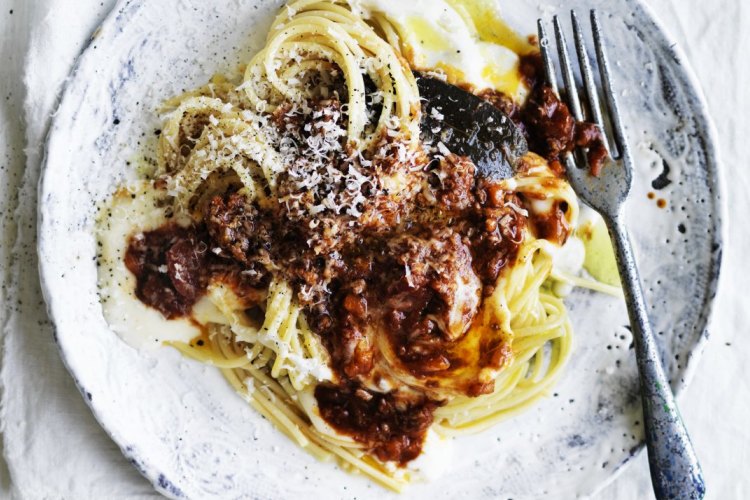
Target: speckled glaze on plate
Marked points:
180	423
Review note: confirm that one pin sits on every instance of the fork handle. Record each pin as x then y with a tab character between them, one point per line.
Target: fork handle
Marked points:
675	471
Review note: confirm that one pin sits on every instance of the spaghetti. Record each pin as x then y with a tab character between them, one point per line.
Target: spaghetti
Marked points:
357	284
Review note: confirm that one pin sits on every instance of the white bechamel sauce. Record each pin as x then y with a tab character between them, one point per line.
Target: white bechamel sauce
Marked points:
435	460
137	324
569	257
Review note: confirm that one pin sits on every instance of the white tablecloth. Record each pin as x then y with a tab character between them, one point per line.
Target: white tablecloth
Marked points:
52	446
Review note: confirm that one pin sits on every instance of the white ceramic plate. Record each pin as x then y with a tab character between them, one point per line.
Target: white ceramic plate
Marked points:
180	423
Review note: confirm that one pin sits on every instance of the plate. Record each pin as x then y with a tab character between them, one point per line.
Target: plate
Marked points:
179	422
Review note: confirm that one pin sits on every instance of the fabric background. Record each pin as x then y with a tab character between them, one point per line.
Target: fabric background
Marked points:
53	447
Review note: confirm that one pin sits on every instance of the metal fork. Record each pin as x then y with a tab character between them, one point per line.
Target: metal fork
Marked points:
675	472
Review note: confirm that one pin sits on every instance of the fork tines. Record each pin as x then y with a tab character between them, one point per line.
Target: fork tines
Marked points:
616	145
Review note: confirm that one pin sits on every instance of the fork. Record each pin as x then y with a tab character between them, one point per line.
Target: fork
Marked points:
675	471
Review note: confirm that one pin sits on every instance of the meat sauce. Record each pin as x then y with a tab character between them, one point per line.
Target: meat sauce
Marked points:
408	281
394	428
173	266
400	267
553	131
386	277
169	264
550	128
553	225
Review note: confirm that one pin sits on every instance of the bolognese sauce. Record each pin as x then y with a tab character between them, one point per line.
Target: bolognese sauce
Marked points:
413	260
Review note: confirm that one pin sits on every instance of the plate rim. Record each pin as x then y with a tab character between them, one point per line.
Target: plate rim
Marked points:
715	176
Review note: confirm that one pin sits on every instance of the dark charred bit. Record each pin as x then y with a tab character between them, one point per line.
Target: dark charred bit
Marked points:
470	126
169	264
393	428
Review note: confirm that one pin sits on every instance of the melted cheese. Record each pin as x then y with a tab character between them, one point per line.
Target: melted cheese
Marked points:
465	39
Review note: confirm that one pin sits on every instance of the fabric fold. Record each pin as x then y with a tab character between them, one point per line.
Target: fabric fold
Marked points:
49	432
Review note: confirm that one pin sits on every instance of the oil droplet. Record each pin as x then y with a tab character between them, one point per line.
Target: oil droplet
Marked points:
661	203
651	195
